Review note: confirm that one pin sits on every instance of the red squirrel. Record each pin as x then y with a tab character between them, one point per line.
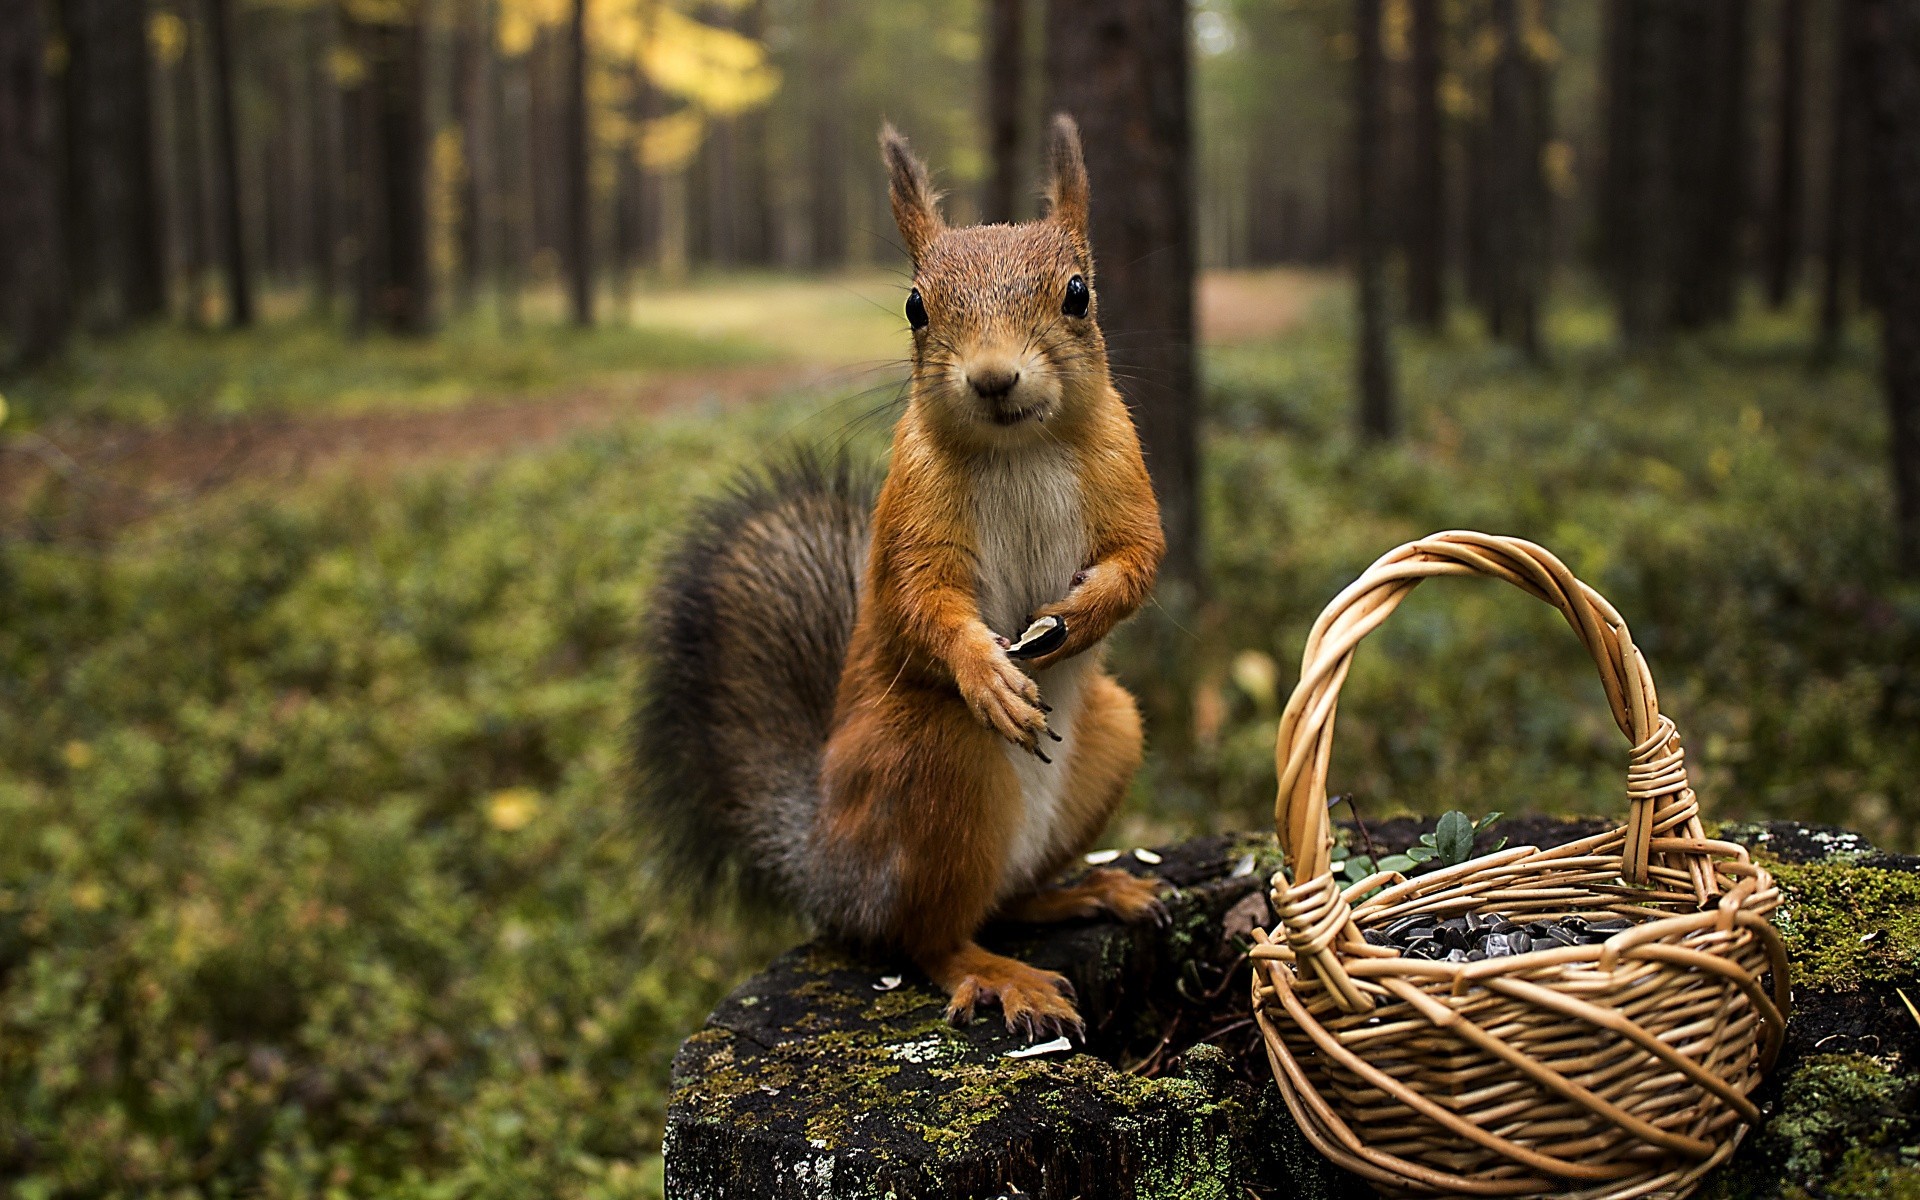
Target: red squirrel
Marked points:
829	699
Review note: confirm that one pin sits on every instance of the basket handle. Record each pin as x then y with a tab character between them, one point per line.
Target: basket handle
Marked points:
1659	800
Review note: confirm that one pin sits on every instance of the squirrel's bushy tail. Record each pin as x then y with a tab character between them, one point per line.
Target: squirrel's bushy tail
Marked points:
743	645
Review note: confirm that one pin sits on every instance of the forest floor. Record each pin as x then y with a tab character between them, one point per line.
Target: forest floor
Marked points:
707	346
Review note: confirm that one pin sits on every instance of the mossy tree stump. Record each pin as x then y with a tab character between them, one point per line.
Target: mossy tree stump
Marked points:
811	1083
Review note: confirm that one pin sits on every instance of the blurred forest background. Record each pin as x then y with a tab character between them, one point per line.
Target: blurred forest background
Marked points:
360	358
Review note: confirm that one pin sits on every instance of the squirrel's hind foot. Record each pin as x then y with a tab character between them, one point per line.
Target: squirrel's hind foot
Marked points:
1037	1004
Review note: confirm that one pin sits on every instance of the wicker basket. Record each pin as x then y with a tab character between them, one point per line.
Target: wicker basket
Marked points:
1611	1070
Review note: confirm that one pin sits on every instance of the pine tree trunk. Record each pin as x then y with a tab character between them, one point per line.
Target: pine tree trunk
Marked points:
324	220
1623	236
579	193
1840	238
1006	73
395	286
826	150
753	199
472	85
232	236
1120	67
115	234
1784	214
1893	184
1378	417
1427	199
33	294
512	113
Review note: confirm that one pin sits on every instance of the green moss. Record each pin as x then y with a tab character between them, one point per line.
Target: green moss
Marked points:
1846	925
1844	1126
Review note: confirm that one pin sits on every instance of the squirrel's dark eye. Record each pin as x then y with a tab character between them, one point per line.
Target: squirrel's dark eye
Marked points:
916	310
1078	297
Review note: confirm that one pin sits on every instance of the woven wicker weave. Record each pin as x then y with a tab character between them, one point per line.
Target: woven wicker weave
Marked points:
1613	1070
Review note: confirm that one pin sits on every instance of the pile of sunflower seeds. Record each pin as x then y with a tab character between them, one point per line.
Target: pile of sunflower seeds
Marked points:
1477	936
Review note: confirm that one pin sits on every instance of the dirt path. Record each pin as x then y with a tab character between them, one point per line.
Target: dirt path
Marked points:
108	477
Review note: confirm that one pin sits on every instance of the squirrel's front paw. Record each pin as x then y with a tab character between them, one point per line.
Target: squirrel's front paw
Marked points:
1004	699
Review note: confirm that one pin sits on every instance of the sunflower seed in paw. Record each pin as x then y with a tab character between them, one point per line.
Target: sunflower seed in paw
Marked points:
1148	857
1098	857
1042	637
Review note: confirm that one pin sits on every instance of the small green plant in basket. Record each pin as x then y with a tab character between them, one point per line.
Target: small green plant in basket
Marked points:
1449	844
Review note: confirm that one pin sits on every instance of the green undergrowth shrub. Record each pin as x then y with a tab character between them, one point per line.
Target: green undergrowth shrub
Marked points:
317	876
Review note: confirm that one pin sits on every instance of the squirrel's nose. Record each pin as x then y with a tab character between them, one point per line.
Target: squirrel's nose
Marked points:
993	383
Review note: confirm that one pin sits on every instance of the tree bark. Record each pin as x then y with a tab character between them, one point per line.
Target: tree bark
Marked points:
1378	417
1120	67
232	236
1784	215
33	294
1006	101
579	182
1893	183
1427	198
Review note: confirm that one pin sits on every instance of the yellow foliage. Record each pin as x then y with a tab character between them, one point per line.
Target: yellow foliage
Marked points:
721	71
1396	30
668	143
167	34
512	809
348	69
1556	166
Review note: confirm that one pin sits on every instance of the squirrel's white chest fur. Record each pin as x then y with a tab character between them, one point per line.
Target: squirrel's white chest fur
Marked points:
1030	530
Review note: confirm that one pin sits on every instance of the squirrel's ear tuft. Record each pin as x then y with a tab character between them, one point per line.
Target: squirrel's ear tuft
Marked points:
914	200
1067	189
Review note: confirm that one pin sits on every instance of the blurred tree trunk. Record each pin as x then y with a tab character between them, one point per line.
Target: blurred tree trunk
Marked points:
512	114
1120	67
190	158
323	221
753	203
1427	198
826	150
628	218
1784	214
579	185
1625	235
395	283
1708	124
1006	103
1840	237
232	233
33	294
473	93
1515	193
1378	416
1892	29
116	231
